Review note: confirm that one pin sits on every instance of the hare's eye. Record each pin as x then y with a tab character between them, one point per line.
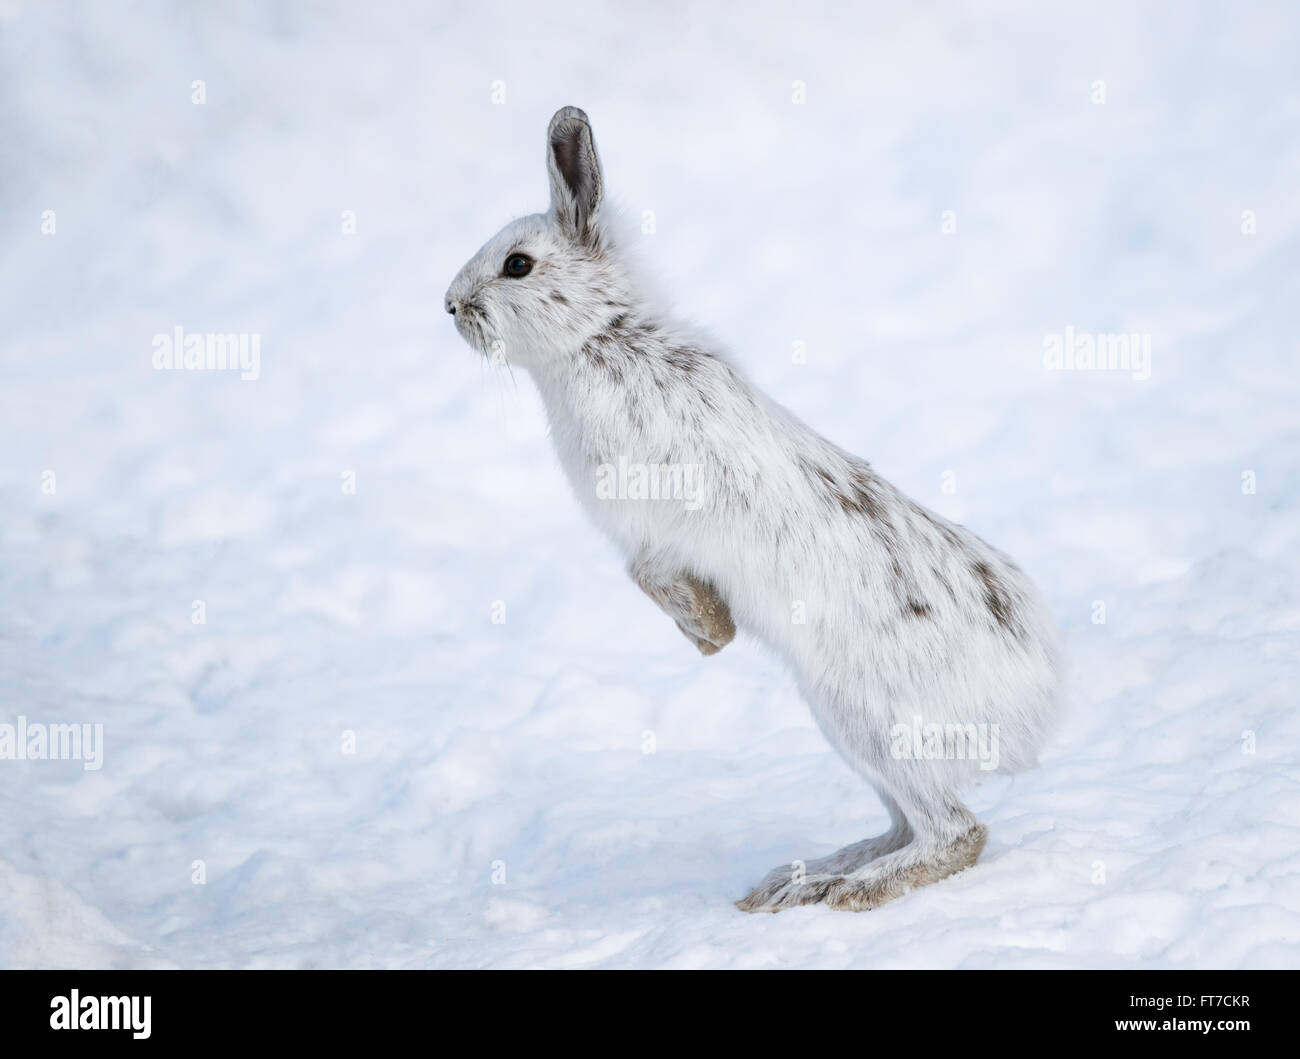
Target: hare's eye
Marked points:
518	265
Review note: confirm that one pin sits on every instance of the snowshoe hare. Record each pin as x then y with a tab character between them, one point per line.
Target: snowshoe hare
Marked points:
925	654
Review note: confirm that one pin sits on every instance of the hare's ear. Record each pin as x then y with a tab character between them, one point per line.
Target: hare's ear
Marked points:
575	173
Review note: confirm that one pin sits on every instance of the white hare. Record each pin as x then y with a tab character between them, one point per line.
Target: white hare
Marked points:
913	641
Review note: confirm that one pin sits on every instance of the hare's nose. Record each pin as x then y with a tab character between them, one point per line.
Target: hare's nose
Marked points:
451	307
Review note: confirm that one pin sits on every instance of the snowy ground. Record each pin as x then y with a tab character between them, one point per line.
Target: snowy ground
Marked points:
1149	836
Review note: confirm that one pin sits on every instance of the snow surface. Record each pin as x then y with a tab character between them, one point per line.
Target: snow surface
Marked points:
1148	837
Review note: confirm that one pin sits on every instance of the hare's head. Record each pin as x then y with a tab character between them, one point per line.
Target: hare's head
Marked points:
544	284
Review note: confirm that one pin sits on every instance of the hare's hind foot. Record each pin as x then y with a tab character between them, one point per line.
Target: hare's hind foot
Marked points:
788	885
878	879
894	875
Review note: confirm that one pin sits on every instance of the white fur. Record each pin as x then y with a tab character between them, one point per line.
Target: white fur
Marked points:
906	615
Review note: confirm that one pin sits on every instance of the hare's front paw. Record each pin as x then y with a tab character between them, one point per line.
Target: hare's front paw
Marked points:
701	614
707	621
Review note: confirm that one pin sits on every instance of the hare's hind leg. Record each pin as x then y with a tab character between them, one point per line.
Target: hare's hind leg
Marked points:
797	883
933	840
933	854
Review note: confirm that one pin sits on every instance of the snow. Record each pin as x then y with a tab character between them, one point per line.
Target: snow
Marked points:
502	806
